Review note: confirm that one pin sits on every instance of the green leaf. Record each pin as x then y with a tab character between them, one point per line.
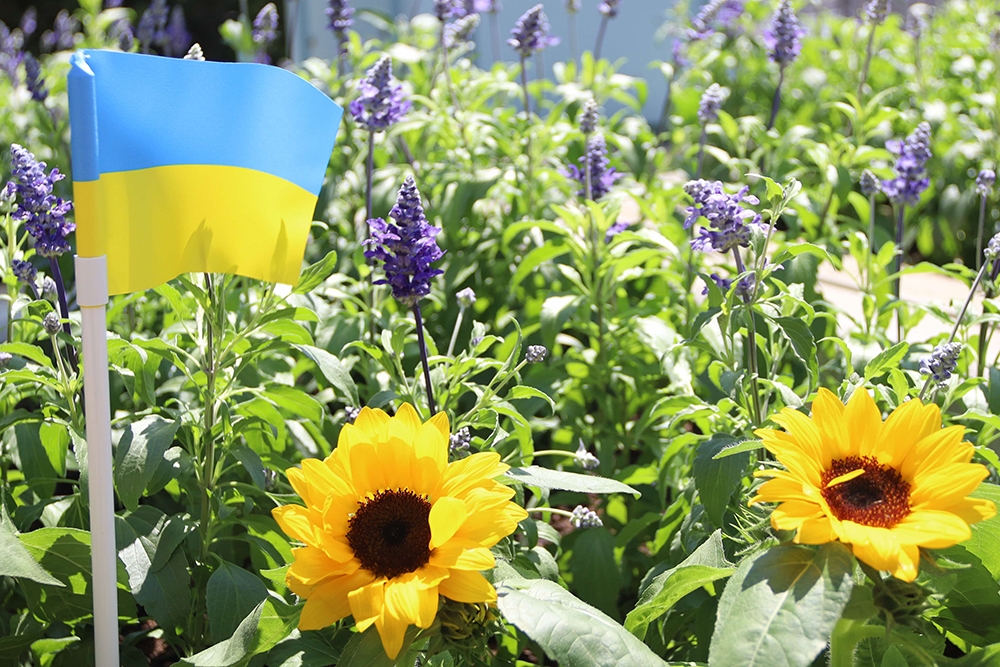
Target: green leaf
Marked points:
140	452
232	651
165	592
571	632
555	311
886	359
333	369
780	606
251	461
15	561
706	564
893	658
972	605
568	481
313	275
232	593
739	448
716	480
985	541
798	334
29	352
276	575
533	260
596	578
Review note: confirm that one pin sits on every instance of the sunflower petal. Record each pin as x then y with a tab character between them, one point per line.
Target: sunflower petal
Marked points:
940	448
466	586
447	516
908	424
391	630
329	603
818	530
972	510
471	471
946	484
828	415
367	602
932	529
863	422
793	513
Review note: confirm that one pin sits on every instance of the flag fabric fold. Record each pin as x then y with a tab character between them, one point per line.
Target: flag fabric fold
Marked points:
193	166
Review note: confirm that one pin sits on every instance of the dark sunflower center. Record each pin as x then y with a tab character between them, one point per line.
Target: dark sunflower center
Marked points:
390	533
879	497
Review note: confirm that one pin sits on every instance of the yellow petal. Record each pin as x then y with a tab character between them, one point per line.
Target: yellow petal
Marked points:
405	424
471	471
432	443
367	603
818	530
863	421
940	448
908	424
790	515
466	586
298	481
828	416
329	603
972	510
932	529
946	484
846	477
372	424
447	516
297	522
391	630
367	474
311	566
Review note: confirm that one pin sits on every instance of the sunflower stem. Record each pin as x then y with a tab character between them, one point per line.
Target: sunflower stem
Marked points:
845	637
423	358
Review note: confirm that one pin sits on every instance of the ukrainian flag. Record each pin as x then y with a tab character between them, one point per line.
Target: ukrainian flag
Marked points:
192	166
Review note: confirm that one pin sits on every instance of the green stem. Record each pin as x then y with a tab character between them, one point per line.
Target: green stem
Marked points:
363	236
454	332
751	348
529	184
845	637
982	230
701	150
868	62
423	358
899	267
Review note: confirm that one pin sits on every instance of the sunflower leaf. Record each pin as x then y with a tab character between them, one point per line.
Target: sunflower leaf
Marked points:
985	540
781	605
717	480
569	630
568	481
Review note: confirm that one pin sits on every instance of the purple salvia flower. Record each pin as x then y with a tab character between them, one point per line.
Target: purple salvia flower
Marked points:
153	26
460	439
718	13
460	32
535	354
265	31
178	39
589	117
11	42
33	78
915	23
406	249
729	223
24	271
876	11
125	38
466	297
51	323
745	286
531	33
339	13
942	362
784	37
585	518
711	101
572	6
111	4
49	288
985	181
380	102
869	183
43	214
616	229
448	9
609	8
596	160
62	37
911	163
29	22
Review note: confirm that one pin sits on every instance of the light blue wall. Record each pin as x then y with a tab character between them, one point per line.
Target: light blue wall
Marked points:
631	35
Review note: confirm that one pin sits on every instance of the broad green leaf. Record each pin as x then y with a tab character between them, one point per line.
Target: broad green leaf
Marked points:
32	457
706	564
251	462
29	352
985	541
781	605
231	651
313	275
303	649
971	606
276	575
886	359
716	480
567	481
277	619
571	632
232	594
555	311
15	561
533	260
739	448
65	554
25	631
139	454
165	593
596	578
798	334
333	369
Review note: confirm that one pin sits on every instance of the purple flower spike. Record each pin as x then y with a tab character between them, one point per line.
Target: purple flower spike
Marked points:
29	22
784	37
406	249
876	11
153	26
178	39
339	12
596	160
616	229
43	214
448	9
33	78
714	15
711	101
730	224
460	32
985	181
531	33
380	103
609	8
265	31
942	362
24	271
62	37
11	42
869	183
911	163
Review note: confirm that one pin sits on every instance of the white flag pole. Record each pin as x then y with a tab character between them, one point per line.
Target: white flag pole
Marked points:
92	297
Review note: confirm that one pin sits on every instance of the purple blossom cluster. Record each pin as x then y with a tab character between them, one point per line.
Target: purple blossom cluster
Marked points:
745	285
609	8
911	166
33	78
985	181
380	102
784	36
616	229
876	11
942	362
716	14
62	37
339	13
531	33
24	271
43	214
589	117
460	32
164	28
711	101
407	249
729	223
11	43
445	10
602	177
265	31
869	183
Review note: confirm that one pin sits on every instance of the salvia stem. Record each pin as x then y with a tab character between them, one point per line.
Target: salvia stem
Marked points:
701	151
495	33
423	358
751	347
871	240
454	332
572	40
868	62
529	184
208	442
363	236
776	104
982	231
63	307
899	267
600	38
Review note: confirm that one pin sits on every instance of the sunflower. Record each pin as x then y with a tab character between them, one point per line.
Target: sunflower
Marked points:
389	525
885	489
